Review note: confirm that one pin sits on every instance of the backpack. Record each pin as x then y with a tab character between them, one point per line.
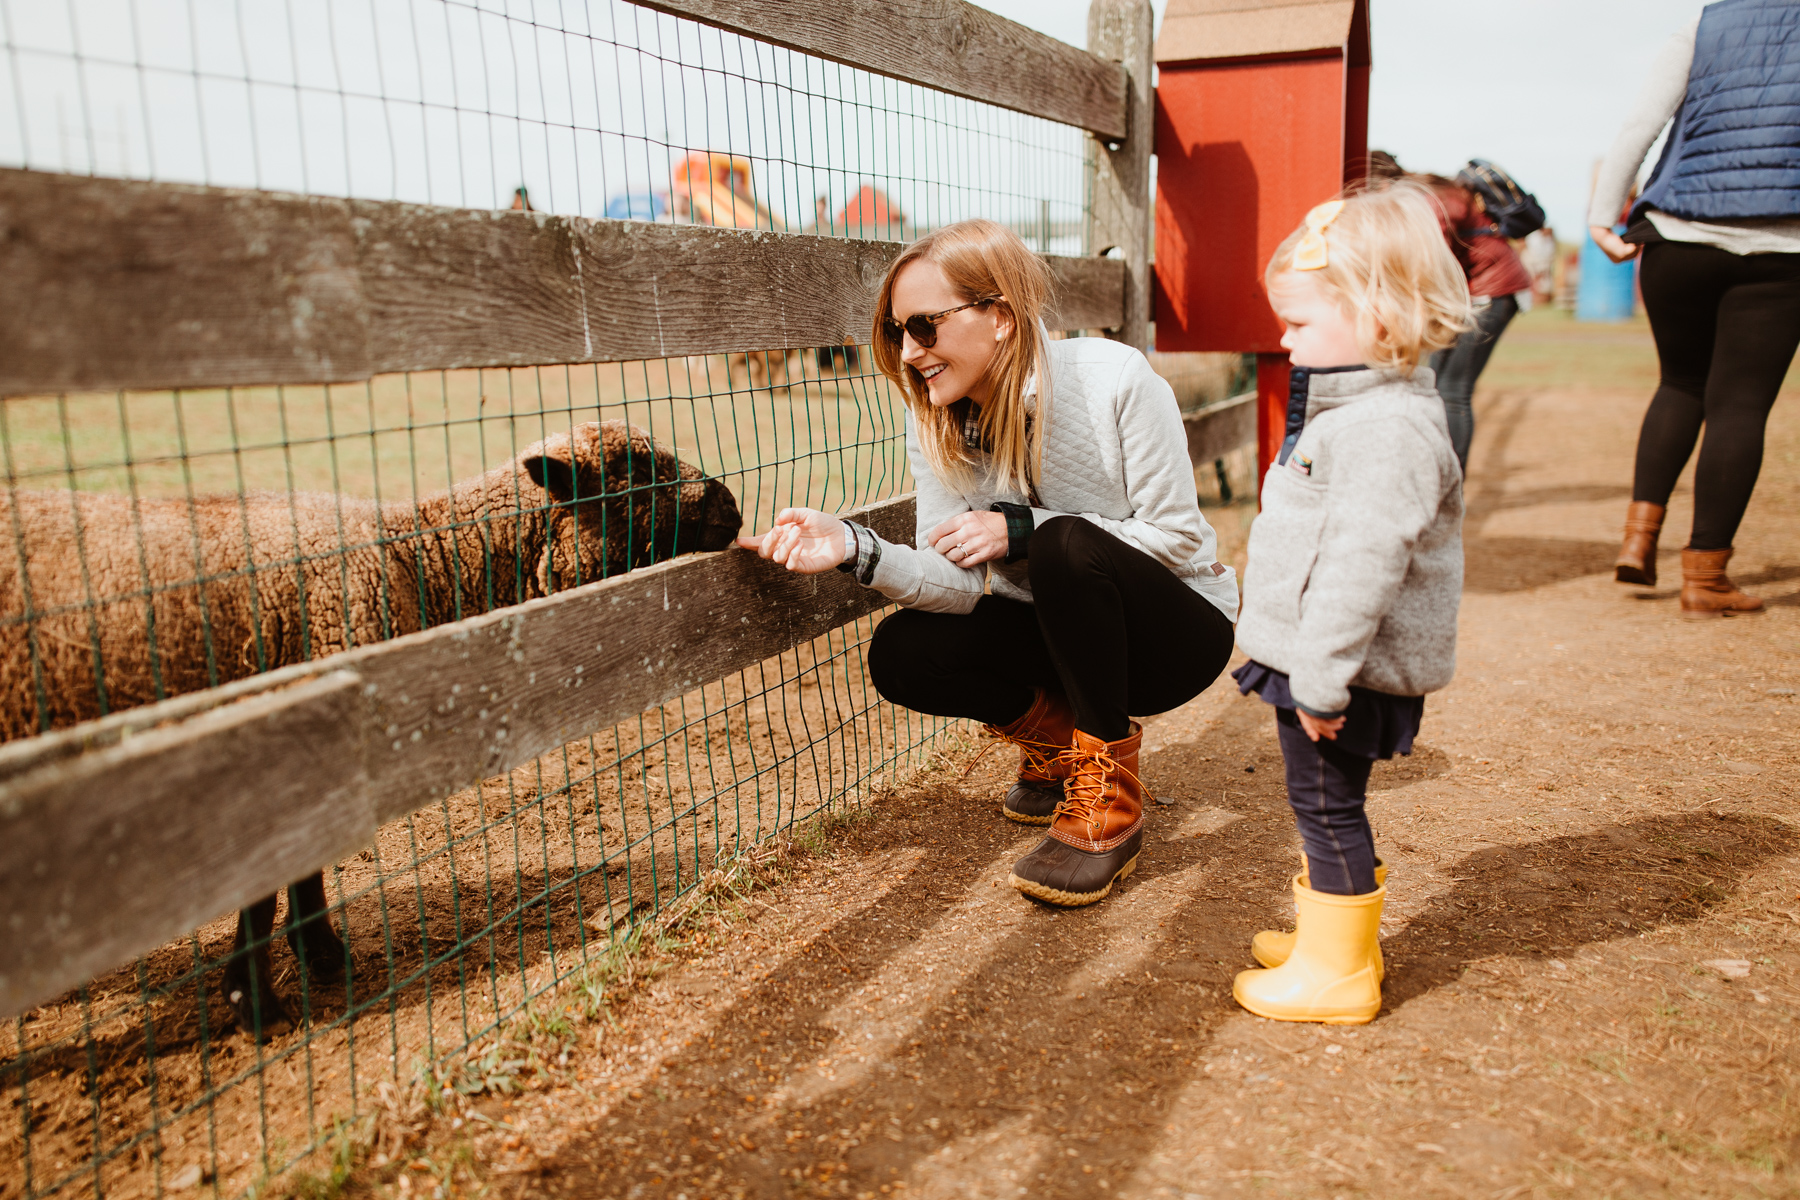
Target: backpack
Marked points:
1515	211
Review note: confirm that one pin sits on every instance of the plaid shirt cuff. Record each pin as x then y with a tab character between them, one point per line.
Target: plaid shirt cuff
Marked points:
868	552
1019	525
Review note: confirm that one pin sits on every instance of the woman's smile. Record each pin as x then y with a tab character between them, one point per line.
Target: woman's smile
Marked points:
956	365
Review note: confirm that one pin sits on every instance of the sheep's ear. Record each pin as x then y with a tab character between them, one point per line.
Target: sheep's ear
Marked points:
553	475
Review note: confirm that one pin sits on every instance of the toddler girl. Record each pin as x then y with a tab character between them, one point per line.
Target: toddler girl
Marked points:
1355	568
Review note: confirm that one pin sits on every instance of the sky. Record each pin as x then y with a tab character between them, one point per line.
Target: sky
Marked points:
590	103
1541	87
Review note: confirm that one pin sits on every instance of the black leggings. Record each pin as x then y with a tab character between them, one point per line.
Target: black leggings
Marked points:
1111	627
1726	326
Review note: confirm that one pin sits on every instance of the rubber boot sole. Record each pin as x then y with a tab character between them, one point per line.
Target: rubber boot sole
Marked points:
1062	899
1353	1017
1634	575
1688	614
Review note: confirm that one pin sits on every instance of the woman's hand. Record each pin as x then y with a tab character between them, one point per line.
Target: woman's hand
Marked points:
1616	247
804	540
1319	727
970	538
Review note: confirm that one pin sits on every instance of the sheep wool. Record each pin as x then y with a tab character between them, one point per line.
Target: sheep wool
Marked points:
107	602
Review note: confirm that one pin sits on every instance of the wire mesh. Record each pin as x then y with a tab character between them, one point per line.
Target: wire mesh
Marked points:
176	514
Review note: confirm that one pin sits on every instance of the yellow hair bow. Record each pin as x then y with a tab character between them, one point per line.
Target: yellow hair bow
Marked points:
1310	254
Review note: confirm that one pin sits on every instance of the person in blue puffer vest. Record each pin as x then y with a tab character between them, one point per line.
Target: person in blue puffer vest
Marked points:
1719	229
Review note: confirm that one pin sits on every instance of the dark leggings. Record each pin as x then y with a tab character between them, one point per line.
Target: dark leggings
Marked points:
1111	627
1726	326
1326	789
1458	367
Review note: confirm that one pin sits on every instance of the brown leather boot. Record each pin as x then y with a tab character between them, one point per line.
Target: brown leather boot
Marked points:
1706	592
1637	557
1041	735
1098	828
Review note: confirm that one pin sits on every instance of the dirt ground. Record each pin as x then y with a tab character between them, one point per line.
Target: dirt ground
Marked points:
1591	939
1591	943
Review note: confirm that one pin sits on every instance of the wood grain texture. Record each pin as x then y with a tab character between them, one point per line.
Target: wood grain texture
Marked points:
1218	429
949	45
1122	30
109	854
119	284
200	810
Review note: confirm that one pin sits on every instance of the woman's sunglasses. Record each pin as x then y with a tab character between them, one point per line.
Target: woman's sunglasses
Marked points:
923	326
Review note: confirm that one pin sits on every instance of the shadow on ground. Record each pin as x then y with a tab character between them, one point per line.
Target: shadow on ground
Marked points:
1052	1053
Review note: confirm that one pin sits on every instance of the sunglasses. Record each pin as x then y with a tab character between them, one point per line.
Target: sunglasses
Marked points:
923	326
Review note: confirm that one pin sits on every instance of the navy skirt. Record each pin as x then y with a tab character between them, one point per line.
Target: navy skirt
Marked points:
1376	725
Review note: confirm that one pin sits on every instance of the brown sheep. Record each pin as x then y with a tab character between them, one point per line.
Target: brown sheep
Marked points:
108	602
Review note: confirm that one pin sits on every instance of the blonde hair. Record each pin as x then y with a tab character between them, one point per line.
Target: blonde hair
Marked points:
982	260
1390	268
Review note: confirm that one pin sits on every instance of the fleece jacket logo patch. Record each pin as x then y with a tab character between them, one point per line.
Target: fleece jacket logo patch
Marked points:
1300	464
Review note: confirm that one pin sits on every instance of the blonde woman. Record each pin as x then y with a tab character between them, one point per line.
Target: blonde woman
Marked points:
1062	577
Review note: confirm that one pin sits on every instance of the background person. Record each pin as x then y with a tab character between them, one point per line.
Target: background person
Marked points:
1355	569
1495	278
1719	224
1063	576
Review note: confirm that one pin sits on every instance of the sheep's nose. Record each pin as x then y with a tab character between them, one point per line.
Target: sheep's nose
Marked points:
722	519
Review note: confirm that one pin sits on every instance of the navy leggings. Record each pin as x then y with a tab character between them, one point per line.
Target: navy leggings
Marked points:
1326	788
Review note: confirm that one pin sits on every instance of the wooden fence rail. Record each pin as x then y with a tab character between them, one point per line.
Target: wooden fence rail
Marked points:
949	45
121	834
118	284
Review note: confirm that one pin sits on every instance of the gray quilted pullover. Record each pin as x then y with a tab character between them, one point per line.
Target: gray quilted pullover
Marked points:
1355	568
1115	453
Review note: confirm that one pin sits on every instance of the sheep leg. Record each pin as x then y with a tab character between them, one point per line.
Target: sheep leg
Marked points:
315	943
249	974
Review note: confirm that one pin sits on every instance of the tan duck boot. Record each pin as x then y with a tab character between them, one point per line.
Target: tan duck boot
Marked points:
1271	947
1707	592
1637	556
1041	735
1098	828
1330	976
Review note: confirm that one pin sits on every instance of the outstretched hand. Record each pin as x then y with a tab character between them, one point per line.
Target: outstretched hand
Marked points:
1614	246
804	540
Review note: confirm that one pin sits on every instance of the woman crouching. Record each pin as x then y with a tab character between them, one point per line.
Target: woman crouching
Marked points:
1057	473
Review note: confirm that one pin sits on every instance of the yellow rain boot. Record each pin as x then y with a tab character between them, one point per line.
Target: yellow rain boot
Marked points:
1330	975
1271	947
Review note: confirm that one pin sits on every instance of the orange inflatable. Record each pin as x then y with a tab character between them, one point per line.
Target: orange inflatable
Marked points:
710	188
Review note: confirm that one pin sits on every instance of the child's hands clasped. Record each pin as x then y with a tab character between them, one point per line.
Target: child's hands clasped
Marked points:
970	538
1319	727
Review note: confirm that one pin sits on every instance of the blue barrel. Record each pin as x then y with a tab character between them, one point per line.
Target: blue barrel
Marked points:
1607	288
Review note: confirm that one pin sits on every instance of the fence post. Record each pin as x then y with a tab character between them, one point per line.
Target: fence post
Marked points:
1122	30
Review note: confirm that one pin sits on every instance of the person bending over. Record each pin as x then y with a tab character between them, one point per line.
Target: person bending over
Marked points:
1063	578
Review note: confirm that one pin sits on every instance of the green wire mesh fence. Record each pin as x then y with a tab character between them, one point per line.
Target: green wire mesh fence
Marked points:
178	540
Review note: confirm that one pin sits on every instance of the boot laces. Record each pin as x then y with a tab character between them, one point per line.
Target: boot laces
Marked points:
1085	796
1039	754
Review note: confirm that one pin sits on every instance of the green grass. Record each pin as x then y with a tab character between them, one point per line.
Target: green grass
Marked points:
830	440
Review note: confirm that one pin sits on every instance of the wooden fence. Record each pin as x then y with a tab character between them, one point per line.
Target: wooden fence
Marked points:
120	834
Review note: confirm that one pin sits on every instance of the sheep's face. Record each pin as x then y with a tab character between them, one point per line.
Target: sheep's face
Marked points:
616	500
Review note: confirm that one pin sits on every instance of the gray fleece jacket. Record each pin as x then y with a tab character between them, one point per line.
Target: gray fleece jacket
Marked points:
1115	453
1355	568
